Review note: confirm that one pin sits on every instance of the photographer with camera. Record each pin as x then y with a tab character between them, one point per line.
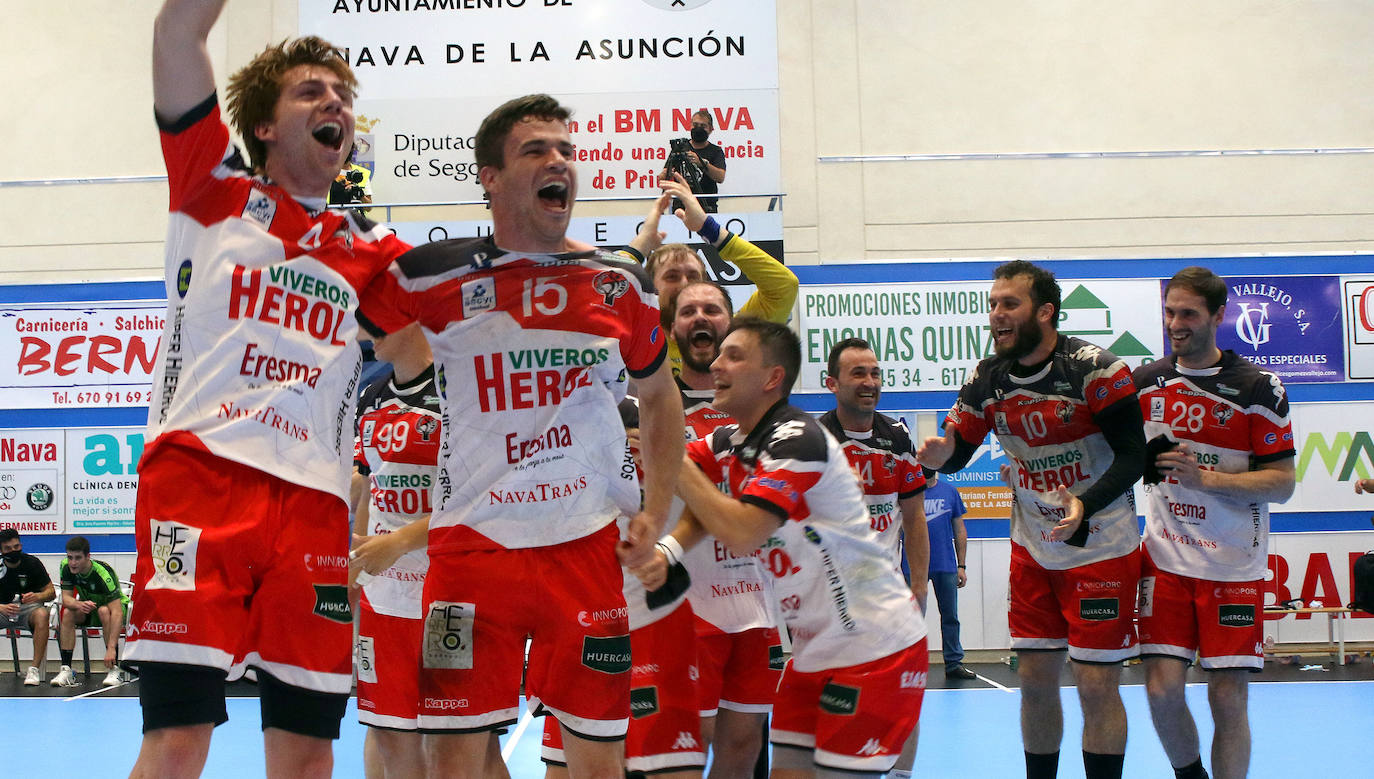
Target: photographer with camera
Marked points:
700	162
350	186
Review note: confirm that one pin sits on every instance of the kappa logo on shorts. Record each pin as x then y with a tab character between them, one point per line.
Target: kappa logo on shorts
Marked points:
366	658
260	208
685	740
478	295
609	655
331	602
1236	615
776	659
839	699
871	747
174	556
448	636
1099	609
643	702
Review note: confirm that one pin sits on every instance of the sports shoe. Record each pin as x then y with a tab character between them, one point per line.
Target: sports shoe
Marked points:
34	677
65	678
958	671
111	679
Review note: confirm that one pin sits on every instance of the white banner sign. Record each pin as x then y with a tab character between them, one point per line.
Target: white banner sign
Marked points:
1357	302
1334	446
632	71
31	480
79	355
930	336
102	479
421	49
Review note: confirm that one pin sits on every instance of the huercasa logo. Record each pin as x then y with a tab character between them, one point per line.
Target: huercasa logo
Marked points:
331	602
1099	609
610	655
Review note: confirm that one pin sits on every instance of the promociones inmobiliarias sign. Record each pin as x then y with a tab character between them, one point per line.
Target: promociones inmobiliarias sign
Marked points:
931	336
633	71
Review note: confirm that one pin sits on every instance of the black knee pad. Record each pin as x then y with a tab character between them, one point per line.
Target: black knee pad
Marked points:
173	694
298	710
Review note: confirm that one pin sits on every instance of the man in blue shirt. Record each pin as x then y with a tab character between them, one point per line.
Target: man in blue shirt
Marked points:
948	546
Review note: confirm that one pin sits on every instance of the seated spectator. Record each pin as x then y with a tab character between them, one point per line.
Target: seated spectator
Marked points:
25	588
91	597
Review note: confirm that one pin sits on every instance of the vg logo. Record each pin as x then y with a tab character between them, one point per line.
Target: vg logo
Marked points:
1252	326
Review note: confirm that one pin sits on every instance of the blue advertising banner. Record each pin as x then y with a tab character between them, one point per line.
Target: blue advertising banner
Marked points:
1290	325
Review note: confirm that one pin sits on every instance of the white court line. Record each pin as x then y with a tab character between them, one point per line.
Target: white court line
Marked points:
1001	687
524	723
96	692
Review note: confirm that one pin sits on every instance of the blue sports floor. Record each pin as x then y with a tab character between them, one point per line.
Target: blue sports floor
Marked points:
1313	723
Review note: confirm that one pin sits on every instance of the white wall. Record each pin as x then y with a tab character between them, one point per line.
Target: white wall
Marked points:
858	77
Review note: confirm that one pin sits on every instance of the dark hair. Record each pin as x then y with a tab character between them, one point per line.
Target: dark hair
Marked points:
1202	282
832	364
8	534
779	344
489	146
707	114
79	544
251	98
725	296
1043	288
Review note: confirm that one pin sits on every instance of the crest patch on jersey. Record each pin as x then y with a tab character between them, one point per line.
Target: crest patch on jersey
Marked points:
610	285
478	295
999	422
1156	409
260	208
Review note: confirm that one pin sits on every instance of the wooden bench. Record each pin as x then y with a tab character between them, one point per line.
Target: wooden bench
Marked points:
1336	617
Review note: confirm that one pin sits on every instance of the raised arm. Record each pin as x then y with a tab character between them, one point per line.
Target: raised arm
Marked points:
182	75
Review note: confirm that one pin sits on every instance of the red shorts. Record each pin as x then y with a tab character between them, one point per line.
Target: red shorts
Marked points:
480	605
1218	622
238	568
388	662
1087	609
855	718
739	671
665	729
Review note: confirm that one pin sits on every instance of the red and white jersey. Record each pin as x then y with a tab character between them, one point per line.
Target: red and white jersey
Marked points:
1046	425
838	592
258	363
1233	415
729	591
888	472
532	353
396	448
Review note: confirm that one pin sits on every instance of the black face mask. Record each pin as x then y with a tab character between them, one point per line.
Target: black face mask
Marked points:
699	134
13	557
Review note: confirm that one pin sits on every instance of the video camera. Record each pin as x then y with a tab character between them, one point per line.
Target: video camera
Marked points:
679	163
